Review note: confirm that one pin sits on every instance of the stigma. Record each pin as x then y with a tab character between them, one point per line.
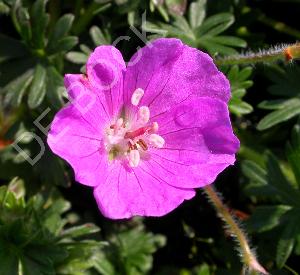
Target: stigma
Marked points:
127	140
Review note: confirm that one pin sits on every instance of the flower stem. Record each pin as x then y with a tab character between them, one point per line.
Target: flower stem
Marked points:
279	26
283	53
246	254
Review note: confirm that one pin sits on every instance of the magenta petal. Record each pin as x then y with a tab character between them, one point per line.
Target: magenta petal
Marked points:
77	130
199	143
186	144
171	72
137	193
105	69
87	103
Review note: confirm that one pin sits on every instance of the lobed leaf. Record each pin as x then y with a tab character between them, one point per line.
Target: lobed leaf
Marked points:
291	110
78	231
197	13
38	87
39	21
215	24
65	44
16	89
61	28
77	57
293	152
98	36
265	218
287	242
287	193
54	87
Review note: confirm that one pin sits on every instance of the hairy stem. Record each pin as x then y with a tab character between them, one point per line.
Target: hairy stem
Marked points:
283	53
246	254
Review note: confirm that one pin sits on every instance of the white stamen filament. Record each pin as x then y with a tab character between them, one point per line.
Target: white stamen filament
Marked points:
134	158
143	114
156	140
137	96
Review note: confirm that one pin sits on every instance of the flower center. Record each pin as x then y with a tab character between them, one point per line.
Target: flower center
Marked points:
129	140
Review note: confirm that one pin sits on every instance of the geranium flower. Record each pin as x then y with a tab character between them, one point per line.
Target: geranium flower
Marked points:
146	135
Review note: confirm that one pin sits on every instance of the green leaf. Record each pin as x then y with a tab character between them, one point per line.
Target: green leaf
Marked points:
281	115
277	104
85	49
61	29
16	89
78	231
163	12
254	172
197	11
229	41
131	251
239	80
104	266
38	87
98	37
265	218
240	107
285	81
286	242
203	270
59	206
65	44
21	19
183	26
39	21
215	48
276	178
244	74
259	185
215	24
55	87
239	83
293	152
27	245
77	57
32	266
82	256
4	9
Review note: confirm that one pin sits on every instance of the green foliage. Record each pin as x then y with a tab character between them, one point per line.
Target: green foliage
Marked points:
239	82
130	252
200	32
285	84
272	184
37	59
37	236
98	37
34	239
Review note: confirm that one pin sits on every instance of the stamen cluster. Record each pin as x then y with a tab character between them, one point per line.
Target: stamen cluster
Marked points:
128	140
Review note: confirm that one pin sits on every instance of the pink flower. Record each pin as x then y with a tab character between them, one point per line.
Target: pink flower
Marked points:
146	135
